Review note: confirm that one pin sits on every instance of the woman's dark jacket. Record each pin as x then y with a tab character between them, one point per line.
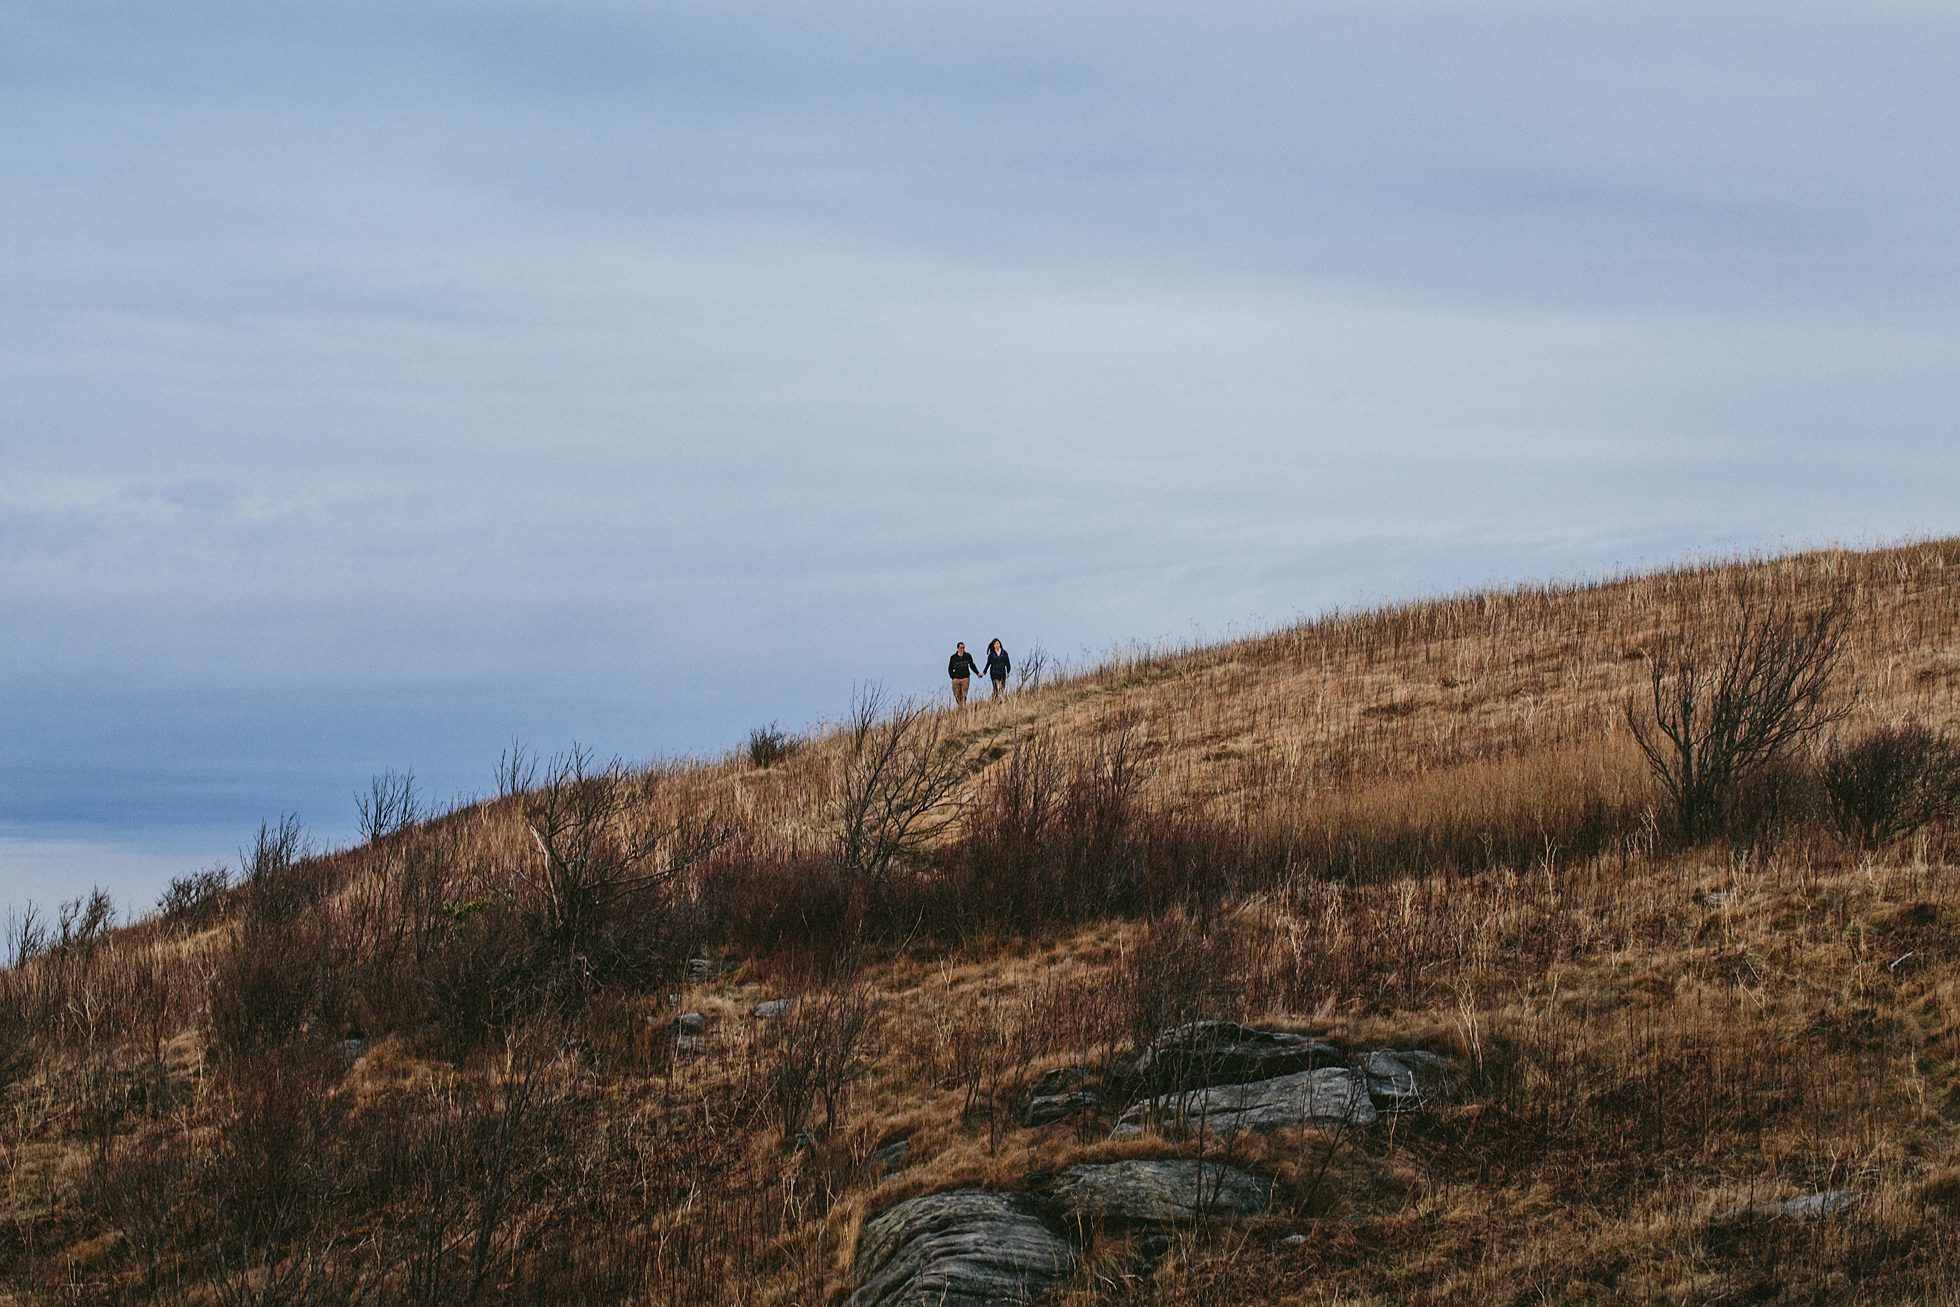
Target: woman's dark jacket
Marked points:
997	664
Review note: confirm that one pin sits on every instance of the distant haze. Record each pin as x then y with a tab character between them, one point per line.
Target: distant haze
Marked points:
382	382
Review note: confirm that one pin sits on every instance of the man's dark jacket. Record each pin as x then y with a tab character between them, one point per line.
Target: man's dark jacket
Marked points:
961	665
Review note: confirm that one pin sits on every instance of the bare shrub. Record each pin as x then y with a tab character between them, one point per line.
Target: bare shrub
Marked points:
147	1188
60	976
191	902
270	872
476	975
797	908
769	745
390	805
1891	781
896	790
27	936
276	981
993	1046
16	1035
470	1166
596	893
82	923
1006	868
399	930
1780	797
273	1165
815	1051
1177	971
1719	710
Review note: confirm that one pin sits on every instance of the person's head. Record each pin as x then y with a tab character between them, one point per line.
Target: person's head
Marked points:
996	644
959	646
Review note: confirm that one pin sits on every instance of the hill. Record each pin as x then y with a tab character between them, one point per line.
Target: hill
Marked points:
1493	1016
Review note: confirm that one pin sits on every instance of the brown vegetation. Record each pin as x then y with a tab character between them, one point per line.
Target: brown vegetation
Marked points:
444	1066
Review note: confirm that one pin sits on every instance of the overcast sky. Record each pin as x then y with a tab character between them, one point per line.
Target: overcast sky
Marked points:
382	381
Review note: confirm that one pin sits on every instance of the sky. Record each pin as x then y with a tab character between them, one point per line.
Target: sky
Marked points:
381	383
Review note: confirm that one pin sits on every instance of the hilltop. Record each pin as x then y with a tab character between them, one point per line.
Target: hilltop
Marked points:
699	1034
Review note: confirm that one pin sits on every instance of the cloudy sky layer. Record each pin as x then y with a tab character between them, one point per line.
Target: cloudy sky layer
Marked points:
380	382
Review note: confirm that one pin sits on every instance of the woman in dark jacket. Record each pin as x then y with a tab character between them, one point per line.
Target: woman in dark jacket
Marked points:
997	666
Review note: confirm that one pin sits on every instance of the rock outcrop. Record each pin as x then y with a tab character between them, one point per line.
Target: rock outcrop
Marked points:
1160	1191
1331	1095
1224	1053
1058	1094
1402	1080
966	1247
960	1248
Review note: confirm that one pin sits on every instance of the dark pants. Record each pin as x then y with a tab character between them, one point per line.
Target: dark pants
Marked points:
1000	686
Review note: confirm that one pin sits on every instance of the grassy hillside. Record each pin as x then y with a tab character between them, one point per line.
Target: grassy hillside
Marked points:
511	1053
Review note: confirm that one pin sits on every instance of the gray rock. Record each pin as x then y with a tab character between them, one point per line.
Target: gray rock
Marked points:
690	1023
1401	1080
1161	1191
773	1007
960	1248
351	1050
1225	1053
1329	1095
1826	1203
701	970
1053	1107
1059	1081
887	1157
691	1045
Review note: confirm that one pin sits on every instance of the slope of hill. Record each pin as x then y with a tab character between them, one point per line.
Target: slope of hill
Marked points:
683	1036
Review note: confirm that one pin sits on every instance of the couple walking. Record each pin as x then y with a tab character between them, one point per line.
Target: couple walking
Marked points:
961	666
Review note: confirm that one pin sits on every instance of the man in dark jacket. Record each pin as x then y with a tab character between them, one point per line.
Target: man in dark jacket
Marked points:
961	666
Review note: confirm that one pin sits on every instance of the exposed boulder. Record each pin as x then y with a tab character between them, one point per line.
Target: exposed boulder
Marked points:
1054	1107
960	1248
1224	1053
1058	1081
1058	1094
1328	1095
1829	1202
1160	1191
889	1156
1401	1080
772	1007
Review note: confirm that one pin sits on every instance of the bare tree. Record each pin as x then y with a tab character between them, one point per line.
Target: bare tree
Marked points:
1719	710
1031	668
896	789
390	805
517	770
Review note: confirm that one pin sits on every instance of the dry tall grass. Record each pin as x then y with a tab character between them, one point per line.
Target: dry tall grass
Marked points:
407	1072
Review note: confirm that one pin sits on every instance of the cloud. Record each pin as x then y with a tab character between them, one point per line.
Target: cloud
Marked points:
377	382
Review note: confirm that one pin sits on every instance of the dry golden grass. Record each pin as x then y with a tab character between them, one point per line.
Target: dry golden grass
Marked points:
1425	826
